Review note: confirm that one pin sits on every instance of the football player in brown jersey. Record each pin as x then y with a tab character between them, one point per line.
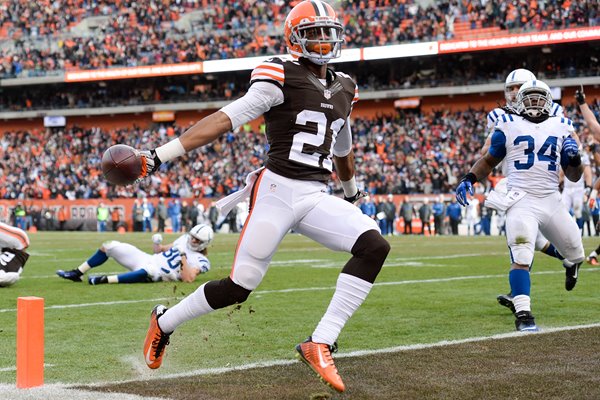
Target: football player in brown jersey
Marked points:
306	106
13	243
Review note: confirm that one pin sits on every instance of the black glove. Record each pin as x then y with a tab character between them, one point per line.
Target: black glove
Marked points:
579	95
359	195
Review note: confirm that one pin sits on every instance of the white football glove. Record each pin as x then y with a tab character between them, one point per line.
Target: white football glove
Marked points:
150	163
157	238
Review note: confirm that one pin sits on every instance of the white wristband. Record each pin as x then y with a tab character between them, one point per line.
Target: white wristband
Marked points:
349	187
594	194
171	150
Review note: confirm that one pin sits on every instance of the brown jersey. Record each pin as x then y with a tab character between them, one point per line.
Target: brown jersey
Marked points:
301	131
12	260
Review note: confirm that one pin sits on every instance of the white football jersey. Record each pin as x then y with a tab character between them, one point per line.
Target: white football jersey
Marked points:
167	265
493	117
531	151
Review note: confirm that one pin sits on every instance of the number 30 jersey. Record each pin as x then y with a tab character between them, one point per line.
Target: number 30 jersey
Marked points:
302	130
167	265
531	151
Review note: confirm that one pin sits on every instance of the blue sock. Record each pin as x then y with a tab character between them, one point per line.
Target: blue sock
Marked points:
520	282
98	258
552	252
133	277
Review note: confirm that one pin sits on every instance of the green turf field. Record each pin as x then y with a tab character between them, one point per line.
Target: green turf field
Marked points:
430	290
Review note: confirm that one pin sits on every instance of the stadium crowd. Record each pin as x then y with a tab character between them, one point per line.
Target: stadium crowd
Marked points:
410	152
448	70
39	36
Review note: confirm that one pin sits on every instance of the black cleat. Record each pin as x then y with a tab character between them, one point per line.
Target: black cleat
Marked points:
97	279
506	300
525	322
74	275
571	275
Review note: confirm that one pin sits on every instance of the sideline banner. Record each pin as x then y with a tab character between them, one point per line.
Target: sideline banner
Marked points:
519	40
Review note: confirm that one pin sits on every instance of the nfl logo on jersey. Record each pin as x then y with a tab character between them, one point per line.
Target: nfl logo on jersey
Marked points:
327	94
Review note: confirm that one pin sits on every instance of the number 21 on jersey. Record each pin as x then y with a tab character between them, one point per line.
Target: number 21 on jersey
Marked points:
314	159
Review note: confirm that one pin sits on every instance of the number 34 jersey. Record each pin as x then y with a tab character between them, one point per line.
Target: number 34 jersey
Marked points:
301	131
531	151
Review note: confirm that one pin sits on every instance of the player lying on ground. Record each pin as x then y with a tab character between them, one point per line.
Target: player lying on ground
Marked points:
182	260
13	242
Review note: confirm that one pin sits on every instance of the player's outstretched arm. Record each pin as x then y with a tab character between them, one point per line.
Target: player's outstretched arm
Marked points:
157	246
588	115
203	132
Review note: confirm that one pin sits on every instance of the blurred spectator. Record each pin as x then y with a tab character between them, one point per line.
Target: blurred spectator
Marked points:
147	213
454	213
439	214
102	217
389	208
368	207
407	211
485	222
137	213
62	218
425	216
174	211
213	215
20	216
115	217
161	214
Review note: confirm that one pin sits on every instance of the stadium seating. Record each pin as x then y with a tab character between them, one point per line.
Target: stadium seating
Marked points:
35	39
406	153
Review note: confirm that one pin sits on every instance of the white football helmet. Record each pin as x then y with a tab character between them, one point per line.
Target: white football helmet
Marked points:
513	82
534	99
200	237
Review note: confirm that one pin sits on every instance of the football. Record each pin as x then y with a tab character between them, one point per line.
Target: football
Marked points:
121	164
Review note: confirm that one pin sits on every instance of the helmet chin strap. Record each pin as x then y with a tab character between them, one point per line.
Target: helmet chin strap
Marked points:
317	61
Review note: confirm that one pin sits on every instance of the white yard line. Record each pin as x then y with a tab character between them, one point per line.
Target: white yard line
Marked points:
14	368
103	303
358	353
293	290
61	391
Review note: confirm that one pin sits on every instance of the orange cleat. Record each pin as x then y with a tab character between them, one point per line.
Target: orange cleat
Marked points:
156	340
318	357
